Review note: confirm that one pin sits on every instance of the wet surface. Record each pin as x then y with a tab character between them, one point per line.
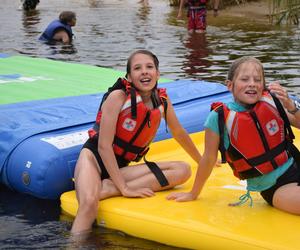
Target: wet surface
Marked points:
108	31
31	223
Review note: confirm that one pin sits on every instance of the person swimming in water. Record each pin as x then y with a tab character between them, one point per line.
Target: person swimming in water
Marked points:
60	30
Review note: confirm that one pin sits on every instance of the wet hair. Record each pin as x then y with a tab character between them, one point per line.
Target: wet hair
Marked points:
67	16
30	4
234	67
144	52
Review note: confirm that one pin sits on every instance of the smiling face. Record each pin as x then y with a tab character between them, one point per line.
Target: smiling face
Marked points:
248	83
143	72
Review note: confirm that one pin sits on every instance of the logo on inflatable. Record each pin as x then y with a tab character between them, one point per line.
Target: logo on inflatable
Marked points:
18	78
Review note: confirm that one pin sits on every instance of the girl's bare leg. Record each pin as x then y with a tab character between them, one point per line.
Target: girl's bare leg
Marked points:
88	186
139	176
287	198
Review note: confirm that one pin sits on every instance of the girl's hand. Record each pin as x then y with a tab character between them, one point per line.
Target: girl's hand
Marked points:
140	192
181	197
218	163
282	94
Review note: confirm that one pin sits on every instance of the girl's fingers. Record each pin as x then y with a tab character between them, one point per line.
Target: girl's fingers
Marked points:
171	196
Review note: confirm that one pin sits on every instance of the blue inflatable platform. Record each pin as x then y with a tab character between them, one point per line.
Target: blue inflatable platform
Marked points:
40	140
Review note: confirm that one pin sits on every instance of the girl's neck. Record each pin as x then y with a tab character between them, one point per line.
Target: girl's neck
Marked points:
147	100
245	105
146	96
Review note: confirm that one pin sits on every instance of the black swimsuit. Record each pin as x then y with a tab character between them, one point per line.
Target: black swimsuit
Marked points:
92	144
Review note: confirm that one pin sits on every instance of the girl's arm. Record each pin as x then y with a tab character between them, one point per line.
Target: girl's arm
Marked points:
180	134
293	118
110	113
204	168
282	94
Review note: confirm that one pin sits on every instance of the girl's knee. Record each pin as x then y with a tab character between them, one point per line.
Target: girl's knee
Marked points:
89	204
183	170
186	168
287	198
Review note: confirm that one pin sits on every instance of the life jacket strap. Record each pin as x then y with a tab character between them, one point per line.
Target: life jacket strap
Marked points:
255	161
129	147
157	172
164	102
165	105
133	103
283	115
294	151
250	173
119	84
218	107
274	152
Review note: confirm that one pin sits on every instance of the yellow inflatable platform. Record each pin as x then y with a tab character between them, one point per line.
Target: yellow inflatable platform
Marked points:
206	223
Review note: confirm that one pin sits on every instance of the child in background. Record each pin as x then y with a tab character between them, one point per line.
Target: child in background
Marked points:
197	12
60	30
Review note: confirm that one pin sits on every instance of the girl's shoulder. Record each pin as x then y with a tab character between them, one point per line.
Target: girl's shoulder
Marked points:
116	97
117	93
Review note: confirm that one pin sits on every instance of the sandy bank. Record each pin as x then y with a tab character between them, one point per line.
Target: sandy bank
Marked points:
256	12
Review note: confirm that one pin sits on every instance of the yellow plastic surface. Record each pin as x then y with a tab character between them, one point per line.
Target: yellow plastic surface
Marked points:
206	223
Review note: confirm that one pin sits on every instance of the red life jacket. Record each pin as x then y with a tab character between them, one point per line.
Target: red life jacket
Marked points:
134	134
258	138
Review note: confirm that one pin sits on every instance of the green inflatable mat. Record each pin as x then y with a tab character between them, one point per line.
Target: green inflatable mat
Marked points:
24	79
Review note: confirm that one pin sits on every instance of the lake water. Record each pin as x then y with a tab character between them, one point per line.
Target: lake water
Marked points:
107	31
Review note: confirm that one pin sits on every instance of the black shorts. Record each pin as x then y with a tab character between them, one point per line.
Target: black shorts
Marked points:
292	175
92	144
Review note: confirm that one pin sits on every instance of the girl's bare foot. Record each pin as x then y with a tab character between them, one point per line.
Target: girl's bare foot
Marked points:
108	189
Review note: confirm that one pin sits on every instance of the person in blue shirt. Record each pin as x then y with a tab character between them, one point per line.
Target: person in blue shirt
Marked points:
60	30
271	166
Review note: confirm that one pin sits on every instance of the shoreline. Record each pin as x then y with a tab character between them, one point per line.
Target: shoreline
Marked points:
255	10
